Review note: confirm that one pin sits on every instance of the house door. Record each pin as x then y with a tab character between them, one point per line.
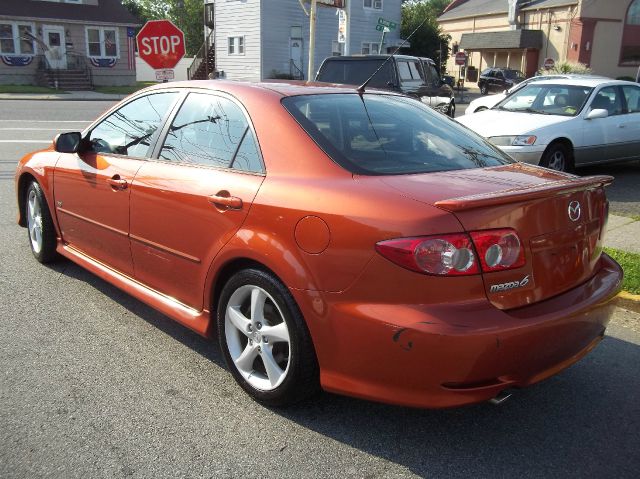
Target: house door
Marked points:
54	39
295	49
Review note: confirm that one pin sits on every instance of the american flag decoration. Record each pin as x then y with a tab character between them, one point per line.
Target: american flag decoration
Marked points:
131	47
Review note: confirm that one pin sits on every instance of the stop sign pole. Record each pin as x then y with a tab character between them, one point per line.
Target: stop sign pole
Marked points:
461	59
161	44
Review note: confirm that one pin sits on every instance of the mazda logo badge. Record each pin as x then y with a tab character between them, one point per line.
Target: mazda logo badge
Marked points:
574	211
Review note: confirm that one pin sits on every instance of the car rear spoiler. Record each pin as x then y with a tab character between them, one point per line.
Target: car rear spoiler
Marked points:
515	195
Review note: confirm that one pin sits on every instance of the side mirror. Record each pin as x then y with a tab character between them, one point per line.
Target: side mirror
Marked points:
390	84
67	142
597	113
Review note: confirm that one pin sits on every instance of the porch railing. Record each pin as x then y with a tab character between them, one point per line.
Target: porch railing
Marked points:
200	57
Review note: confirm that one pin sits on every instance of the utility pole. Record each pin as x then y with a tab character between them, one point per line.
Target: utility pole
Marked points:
312	38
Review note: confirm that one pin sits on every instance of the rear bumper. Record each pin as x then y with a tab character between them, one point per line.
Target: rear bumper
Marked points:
449	355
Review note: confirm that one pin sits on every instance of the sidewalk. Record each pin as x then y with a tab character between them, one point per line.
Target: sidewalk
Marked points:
66	96
623	233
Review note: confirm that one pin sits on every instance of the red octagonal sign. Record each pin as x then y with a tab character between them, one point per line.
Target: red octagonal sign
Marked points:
160	44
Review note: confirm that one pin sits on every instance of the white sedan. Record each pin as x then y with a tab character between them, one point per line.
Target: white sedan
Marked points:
489	101
561	124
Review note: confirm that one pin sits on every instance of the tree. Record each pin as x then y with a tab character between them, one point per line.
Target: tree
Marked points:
186	14
428	40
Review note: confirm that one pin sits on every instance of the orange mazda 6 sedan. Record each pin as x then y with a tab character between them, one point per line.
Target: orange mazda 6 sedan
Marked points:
356	242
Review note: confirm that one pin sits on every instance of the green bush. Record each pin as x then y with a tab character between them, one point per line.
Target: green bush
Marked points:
566	67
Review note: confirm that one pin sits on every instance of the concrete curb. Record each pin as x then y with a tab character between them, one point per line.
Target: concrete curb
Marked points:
628	301
62	97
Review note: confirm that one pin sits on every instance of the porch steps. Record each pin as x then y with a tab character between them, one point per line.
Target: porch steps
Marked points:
65	79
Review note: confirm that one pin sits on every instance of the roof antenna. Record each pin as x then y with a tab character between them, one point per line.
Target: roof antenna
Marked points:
361	88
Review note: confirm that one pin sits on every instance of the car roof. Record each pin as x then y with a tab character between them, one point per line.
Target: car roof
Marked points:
280	87
342	58
588	81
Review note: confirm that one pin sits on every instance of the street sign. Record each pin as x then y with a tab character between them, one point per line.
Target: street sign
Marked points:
549	63
162	75
160	44
461	58
386	23
329	3
342	26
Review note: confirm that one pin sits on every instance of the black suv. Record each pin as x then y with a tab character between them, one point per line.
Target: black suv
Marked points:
413	76
498	79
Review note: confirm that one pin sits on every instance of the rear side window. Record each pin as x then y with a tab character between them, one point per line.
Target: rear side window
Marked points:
632	96
389	135
129	130
356	72
211	131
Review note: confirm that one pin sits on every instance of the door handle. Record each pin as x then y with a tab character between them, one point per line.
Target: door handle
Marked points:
224	200
117	183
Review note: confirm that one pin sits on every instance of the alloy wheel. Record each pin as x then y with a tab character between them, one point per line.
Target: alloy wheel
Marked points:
34	221
257	337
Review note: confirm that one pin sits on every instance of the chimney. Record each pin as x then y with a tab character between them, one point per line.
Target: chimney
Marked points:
513	14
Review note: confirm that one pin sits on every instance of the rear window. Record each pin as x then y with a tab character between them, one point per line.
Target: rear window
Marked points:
389	135
356	72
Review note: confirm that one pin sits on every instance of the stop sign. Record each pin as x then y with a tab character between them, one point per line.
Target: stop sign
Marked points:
461	58
160	44
549	63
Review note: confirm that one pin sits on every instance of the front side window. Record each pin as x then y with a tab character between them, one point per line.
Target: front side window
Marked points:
129	130
16	39
236	45
632	97
211	131
385	135
102	42
564	100
608	99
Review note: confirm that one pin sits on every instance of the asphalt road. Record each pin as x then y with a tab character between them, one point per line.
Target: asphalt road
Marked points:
95	384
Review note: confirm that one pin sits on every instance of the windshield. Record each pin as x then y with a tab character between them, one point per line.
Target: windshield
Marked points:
563	100
389	135
513	75
356	72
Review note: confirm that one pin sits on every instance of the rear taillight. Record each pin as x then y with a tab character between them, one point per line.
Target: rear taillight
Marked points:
498	249
454	254
448	255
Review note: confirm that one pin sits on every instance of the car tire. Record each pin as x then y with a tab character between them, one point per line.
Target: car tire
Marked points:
40	228
480	108
483	89
558	156
452	109
265	340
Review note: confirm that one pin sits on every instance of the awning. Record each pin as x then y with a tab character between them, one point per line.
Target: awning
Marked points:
507	40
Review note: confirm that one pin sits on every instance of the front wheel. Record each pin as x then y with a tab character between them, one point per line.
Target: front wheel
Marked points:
265	340
557	157
452	109
42	233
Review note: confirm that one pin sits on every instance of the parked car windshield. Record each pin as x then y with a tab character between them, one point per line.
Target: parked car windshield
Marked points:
564	100
356	72
389	135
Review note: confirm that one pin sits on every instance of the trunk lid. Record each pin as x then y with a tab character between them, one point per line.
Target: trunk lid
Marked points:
558	217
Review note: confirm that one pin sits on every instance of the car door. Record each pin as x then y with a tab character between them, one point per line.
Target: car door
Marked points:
603	137
630	122
91	189
189	201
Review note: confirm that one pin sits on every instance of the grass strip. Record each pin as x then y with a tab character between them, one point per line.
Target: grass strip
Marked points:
630	263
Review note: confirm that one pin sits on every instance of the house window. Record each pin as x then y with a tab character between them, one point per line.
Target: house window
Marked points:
630	49
236	45
17	39
102	42
372	4
370	48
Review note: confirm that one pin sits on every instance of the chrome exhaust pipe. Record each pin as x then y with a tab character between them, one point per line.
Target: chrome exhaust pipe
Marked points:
500	398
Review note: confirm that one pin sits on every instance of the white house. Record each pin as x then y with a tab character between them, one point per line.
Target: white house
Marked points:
260	39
